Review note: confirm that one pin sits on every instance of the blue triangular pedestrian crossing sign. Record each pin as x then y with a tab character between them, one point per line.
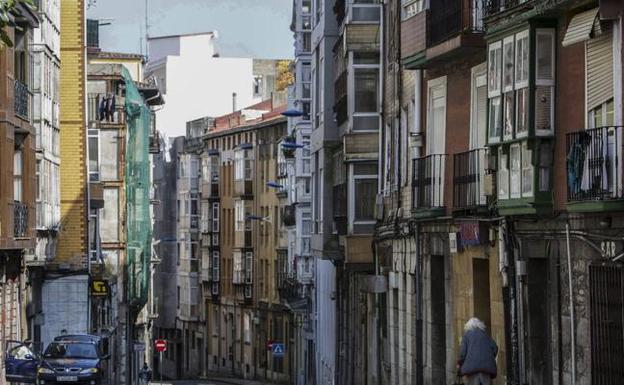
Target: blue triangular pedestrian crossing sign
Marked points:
278	349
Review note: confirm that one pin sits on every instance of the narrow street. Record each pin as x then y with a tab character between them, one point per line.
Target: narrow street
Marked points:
316	192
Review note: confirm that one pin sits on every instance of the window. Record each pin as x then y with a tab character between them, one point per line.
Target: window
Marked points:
215	266
307	41
306	78
412	7
494	92
109	223
503	175
215	217
306	6
257	86
545	166
602	116
239	213
18	168
527	171
94	155
545	81
366	90
363	197
248	267
243	163
237	259
515	172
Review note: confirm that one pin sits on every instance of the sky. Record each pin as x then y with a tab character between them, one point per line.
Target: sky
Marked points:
246	28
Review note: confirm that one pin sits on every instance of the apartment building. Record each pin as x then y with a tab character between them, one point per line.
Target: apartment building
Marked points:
297	266
17	175
499	107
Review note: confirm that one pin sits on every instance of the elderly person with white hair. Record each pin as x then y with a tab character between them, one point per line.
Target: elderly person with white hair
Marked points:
477	356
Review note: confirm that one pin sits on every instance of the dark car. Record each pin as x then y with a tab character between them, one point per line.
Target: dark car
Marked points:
20	362
72	360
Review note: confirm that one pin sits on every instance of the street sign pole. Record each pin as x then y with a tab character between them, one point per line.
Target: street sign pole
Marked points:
160	368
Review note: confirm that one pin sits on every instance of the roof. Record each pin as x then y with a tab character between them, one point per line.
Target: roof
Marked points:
181	35
116	55
236	121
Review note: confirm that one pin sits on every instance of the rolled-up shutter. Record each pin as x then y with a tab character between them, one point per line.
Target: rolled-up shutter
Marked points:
599	69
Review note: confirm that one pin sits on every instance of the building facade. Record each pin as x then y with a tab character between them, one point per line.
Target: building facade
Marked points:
185	66
18	177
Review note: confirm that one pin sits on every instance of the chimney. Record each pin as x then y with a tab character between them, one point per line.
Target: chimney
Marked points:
233	101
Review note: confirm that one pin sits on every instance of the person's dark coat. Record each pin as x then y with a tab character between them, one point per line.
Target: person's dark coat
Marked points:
478	354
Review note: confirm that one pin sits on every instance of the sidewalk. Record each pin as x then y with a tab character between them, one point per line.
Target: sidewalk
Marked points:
212	380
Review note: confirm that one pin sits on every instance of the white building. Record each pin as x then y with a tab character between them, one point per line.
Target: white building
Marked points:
197	82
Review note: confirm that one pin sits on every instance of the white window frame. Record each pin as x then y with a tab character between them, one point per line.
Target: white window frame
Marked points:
239	215
248	267
503	174
546	82
215	217
494	91
411	8
526	152
215	265
351	194
478	79
352	69
94	133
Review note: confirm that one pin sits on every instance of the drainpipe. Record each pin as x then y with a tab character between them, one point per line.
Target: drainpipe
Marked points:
572	315
419	309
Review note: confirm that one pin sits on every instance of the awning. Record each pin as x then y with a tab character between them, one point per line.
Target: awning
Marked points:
582	27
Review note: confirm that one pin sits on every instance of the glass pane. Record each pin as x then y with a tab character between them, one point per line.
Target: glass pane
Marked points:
609	113
494	69
522	59
527	171
508	67
543	108
503	177
365	195
495	120
522	110
93	154
366	90
514	158
544	56
509	113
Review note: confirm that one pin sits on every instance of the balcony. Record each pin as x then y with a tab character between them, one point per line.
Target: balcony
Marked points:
594	170
448	29
20	220
22	100
495	7
105	110
428	186
469	181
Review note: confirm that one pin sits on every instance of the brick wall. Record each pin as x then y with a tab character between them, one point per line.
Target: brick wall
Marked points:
72	246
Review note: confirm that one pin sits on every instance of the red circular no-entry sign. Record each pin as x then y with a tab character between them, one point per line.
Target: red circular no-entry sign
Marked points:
161	345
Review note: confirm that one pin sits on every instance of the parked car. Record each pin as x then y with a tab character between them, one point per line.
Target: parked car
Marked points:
21	362
72	359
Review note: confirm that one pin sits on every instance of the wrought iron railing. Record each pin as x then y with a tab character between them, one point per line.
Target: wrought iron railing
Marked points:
450	17
593	166
20	220
428	182
469	169
493	7
22	97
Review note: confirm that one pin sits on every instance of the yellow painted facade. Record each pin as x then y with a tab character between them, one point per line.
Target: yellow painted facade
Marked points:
72	246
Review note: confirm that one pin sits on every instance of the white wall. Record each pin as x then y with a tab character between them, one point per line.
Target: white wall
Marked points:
198	88
325	322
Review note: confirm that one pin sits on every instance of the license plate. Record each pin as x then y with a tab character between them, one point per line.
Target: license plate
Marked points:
67	378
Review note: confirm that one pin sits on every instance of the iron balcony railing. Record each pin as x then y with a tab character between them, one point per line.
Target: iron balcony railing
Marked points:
593	166
22	98
450	17
493	7
469	170
428	182
20	220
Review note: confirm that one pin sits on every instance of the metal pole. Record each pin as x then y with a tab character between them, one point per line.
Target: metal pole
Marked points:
160	366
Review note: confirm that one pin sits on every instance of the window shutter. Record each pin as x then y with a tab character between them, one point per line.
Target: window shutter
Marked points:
599	69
